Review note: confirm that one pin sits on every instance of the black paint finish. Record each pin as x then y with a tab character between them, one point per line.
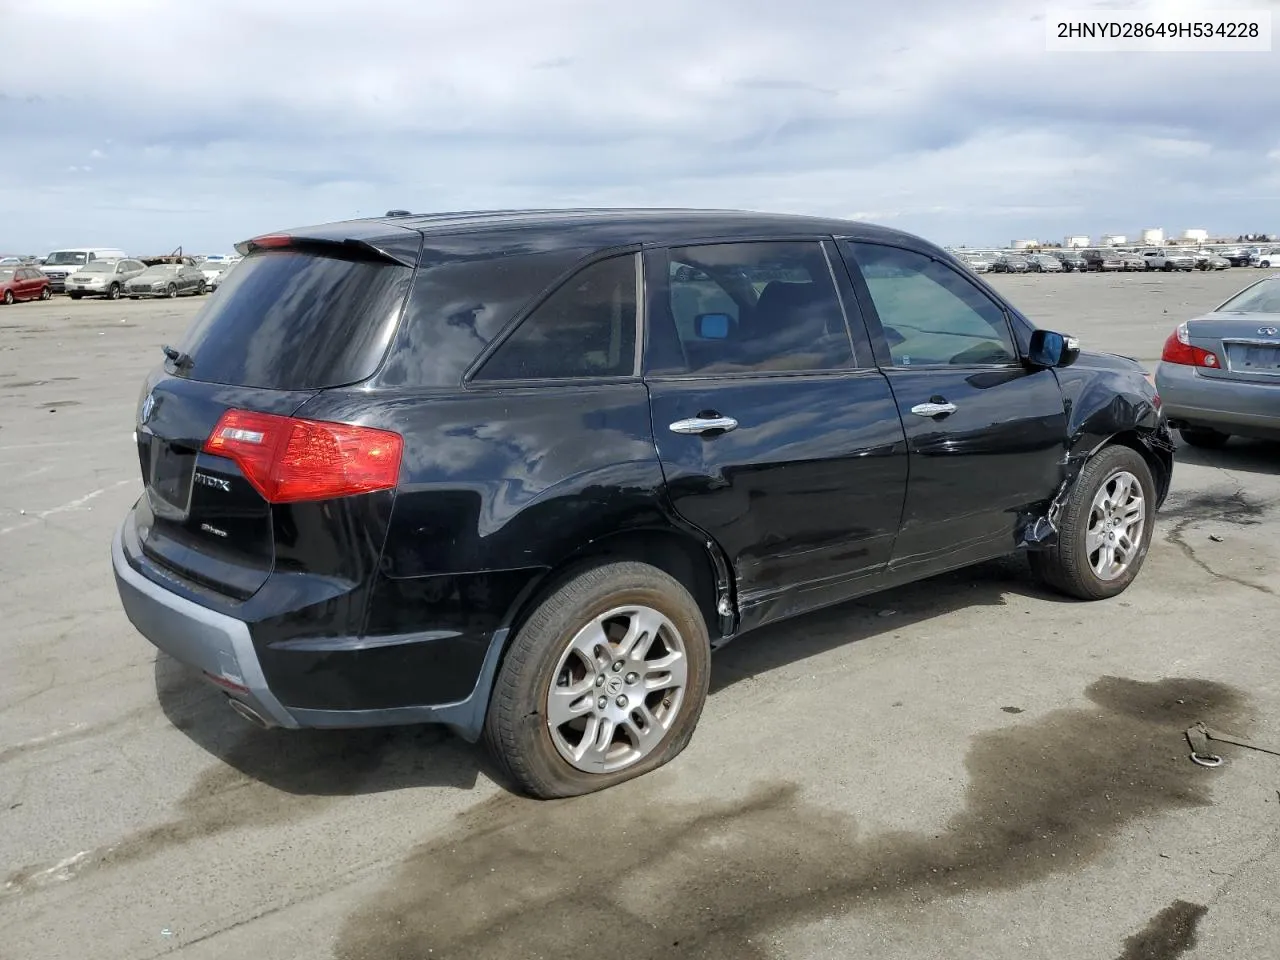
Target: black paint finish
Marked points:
829	487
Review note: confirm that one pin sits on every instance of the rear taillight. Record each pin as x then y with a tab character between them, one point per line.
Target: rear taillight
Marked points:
288	459
1178	349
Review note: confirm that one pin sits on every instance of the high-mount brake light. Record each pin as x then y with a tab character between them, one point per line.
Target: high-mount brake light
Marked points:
272	240
288	459
1178	349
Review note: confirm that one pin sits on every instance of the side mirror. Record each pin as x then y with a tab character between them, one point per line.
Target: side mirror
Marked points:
1049	349
712	326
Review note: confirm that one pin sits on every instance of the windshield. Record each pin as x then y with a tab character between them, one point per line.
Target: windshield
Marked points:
159	270
1262	297
100	266
66	258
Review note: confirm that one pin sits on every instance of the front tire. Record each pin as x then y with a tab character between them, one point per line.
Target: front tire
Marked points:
1104	530
172	292
1204	437
114	292
604	681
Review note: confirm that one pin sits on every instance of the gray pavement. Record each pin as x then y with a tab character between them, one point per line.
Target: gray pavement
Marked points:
966	768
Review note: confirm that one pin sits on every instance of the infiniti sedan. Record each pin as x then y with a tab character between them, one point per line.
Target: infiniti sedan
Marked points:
1219	375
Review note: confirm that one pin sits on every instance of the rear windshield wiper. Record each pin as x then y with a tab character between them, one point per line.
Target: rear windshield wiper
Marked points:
180	360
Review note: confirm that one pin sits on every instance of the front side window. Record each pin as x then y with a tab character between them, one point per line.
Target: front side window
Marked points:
585	328
749	307
931	314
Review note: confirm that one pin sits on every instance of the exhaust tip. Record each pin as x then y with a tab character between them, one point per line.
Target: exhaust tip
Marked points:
248	713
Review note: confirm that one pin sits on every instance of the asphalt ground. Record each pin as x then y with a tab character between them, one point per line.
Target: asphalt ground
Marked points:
965	768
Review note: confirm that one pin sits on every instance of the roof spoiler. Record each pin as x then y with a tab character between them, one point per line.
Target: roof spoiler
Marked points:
365	249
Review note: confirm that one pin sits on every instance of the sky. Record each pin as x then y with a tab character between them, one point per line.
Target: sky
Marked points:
153	125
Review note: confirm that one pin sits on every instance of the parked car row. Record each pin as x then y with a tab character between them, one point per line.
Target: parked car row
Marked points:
107	273
1111	259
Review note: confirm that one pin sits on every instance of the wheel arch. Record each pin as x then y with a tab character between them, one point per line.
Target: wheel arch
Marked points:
694	561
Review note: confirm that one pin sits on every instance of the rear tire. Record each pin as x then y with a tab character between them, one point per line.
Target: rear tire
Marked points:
1089	532
8	298
75	296
114	292
46	293
557	648
1204	437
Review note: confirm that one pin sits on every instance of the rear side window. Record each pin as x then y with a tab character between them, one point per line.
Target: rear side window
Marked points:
459	305
294	320
585	328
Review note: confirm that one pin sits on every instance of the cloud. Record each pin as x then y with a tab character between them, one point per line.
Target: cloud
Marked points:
947	119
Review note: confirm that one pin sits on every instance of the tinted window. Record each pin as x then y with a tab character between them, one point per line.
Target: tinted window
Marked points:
459	305
932	314
748	307
585	328
290	320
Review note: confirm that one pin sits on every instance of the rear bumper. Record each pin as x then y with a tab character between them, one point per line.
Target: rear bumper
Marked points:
1229	406
222	648
217	645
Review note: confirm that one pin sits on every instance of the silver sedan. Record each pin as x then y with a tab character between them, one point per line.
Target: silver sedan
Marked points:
1219	375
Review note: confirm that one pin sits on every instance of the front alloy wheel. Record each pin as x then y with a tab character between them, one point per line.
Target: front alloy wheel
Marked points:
1104	528
1116	524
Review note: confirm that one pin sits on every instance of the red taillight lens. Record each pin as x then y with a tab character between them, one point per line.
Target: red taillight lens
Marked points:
1178	349
288	459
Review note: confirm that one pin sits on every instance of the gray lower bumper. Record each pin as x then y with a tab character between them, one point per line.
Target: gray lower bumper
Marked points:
1228	405
209	641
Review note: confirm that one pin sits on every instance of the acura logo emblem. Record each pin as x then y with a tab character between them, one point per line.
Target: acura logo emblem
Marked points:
1267	331
148	405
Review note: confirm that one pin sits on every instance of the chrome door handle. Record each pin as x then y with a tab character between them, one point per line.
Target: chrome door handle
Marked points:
933	409
697	425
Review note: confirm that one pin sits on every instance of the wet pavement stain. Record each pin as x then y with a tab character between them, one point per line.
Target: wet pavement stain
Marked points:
1170	934
581	878
1233	508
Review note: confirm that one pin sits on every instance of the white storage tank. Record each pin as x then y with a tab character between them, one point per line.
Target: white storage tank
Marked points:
1153	237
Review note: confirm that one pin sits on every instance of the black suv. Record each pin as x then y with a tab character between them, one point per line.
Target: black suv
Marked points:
520	472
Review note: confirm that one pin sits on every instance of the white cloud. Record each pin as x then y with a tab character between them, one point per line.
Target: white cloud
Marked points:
946	118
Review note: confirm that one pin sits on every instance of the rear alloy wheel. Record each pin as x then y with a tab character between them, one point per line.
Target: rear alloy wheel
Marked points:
46	293
172	291
114	292
1204	437
8	298
1104	529
604	681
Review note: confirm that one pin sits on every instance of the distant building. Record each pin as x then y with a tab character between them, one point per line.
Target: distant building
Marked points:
1114	239
1153	236
1195	235
1024	244
1078	241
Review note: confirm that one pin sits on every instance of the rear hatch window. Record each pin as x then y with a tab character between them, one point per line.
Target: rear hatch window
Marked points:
296	320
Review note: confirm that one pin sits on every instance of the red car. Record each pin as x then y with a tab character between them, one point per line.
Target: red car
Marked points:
23	283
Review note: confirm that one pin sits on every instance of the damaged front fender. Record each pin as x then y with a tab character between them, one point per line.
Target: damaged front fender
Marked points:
1108	400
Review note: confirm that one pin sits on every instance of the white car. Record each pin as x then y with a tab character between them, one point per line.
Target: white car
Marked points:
1266	257
215	270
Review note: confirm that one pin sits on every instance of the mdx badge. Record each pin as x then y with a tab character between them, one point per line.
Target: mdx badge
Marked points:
216	482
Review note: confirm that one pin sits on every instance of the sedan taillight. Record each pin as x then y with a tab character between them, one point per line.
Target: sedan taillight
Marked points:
1178	349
